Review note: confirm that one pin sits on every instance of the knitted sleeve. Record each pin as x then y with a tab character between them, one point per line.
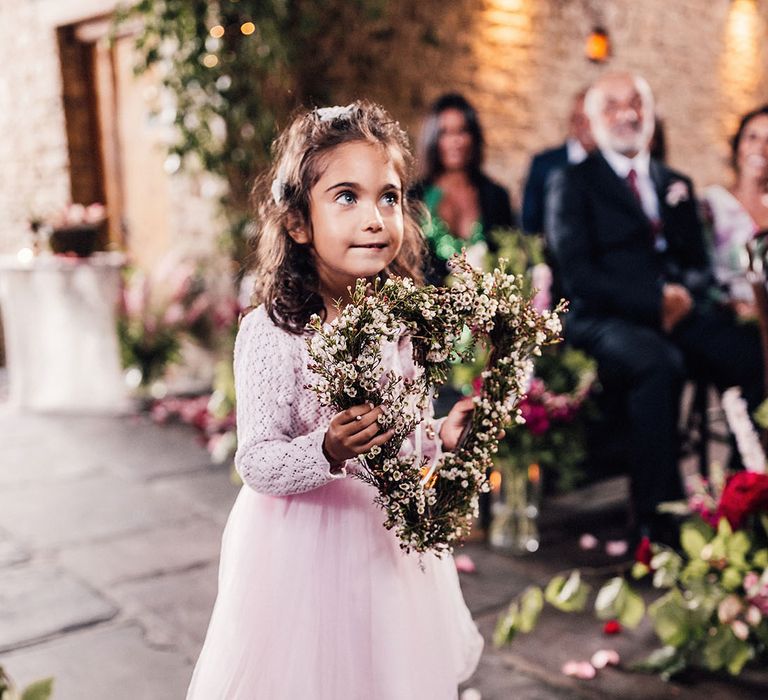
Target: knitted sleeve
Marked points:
272	457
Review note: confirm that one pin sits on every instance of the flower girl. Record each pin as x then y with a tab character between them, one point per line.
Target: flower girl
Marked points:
316	600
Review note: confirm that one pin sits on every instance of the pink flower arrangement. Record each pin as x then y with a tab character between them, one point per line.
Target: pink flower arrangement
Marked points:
215	432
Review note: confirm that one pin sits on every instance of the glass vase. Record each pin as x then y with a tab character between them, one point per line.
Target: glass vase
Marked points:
516	501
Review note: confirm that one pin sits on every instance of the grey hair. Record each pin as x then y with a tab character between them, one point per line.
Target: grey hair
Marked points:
593	100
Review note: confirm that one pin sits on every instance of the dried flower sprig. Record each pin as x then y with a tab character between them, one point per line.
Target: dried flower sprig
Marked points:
431	504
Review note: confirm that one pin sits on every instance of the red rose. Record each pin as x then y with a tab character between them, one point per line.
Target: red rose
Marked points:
744	494
612	627
643	553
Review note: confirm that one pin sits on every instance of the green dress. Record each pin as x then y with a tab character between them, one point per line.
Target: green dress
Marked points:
442	243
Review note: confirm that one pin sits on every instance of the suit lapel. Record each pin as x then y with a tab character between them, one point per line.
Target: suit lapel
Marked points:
660	178
616	189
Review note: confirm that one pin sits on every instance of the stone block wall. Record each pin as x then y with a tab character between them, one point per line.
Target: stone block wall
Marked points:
519	61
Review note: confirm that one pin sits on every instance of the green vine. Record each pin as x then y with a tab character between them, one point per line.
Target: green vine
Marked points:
237	69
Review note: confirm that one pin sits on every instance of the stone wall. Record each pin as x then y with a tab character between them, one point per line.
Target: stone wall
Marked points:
519	61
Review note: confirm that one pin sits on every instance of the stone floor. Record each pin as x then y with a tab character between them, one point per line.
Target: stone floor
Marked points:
109	539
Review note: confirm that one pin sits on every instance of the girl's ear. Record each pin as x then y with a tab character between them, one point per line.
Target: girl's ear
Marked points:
298	229
299	235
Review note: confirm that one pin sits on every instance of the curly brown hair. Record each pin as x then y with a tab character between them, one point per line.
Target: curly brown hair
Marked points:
286	278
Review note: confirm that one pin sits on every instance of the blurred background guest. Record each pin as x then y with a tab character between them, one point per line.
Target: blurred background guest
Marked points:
464	203
575	149
634	265
737	214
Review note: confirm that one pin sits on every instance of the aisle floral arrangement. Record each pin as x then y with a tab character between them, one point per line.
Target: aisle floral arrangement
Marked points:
430	504
554	408
212	415
162	309
714	611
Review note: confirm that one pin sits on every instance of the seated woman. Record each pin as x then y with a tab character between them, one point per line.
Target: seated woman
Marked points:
464	203
739	213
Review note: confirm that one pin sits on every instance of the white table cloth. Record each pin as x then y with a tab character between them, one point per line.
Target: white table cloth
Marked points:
59	321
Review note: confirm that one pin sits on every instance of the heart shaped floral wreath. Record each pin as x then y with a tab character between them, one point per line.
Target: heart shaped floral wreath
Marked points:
431	502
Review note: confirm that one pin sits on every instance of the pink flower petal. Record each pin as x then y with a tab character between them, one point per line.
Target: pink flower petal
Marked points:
616	548
579	669
464	564
605	657
588	541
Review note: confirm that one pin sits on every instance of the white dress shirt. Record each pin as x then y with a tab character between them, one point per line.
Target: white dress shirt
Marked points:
641	164
576	152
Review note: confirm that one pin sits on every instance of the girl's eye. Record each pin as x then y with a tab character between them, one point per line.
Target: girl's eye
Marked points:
346	197
391	198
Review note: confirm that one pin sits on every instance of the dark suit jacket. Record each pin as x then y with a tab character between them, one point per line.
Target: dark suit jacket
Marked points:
495	207
603	243
542	166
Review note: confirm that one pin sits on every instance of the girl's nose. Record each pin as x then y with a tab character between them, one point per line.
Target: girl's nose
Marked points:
375	222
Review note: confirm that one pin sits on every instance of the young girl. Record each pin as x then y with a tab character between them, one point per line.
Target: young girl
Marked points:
316	599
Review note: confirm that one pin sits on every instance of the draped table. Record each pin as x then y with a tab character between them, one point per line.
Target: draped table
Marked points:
59	322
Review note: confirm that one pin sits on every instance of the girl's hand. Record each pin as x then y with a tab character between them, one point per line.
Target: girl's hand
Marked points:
353	432
457	419
453	425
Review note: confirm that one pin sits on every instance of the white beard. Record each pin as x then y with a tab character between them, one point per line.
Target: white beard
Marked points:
607	141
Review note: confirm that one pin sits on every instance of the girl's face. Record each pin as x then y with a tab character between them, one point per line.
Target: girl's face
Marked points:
454	143
752	154
356	216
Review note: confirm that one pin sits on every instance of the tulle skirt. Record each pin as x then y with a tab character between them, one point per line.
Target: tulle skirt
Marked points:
317	601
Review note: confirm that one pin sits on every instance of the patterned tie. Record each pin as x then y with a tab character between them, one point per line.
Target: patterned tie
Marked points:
632	182
658	241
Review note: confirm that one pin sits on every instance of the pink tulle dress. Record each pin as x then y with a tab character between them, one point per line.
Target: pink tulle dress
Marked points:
316	599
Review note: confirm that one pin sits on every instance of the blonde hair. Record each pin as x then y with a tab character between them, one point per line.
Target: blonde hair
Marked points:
286	279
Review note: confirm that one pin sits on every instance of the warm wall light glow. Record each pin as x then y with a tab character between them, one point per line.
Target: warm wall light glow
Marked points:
534	473
598	47
248	28
501	42
740	68
495	481
217	32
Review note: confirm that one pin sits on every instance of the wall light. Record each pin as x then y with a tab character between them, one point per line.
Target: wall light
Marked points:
598	46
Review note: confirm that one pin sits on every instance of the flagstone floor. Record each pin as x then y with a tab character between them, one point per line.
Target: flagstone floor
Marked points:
109	539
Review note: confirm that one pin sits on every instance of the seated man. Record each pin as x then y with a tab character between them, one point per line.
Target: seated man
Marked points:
632	261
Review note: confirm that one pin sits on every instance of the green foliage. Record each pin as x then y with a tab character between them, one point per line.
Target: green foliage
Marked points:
723	650
567	594
666	661
39	690
522	251
711	614
666	566
671	616
233	85
617	600
151	353
694	534
761	415
521	616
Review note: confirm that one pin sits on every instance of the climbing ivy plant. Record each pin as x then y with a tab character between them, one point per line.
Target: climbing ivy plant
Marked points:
237	68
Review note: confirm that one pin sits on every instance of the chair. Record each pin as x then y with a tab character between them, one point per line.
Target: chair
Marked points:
757	252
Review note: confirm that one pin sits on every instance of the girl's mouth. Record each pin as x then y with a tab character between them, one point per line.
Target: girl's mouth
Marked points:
373	246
